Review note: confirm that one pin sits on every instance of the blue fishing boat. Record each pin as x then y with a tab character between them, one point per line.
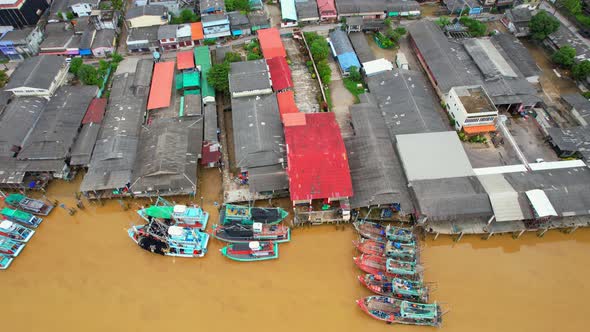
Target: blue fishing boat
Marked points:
178	215
10	247
251	251
238	214
22	217
5	261
159	238
382	233
15	231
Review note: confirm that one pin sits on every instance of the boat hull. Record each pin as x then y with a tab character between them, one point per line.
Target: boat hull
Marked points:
221	233
10	247
385	286
381	233
245	215
15	231
29	205
249	255
388	310
157	246
398	250
5	261
377	265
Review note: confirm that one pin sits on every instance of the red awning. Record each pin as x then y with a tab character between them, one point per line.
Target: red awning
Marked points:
317	159
286	101
185	60
161	88
280	73
271	43
95	111
479	129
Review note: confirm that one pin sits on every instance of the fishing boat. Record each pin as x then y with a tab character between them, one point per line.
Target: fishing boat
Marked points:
251	251
10	247
398	250
398	288
255	232
397	311
27	204
22	217
5	261
239	214
382	233
177	215
159	238
380	265
15	231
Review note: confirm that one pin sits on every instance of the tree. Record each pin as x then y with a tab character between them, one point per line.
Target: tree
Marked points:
232	57
117	4
319	49
253	56
443	21
70	16
116	58
573	6
75	65
325	72
354	74
475	27
239	5
3	78
564	57
581	70
542	25
218	77
88	75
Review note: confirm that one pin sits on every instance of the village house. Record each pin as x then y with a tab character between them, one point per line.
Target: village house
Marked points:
307	11
104	43
173	6
249	78
143	39
38	76
240	26
105	19
21	13
216	26
145	16
207	7
517	21
16	45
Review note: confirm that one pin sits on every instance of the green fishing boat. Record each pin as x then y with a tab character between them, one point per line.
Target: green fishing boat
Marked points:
245	215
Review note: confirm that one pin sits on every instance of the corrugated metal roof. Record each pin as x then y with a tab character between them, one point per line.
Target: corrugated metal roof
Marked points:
503	197
270	43
286	102
541	203
280	73
95	111
288	10
185	60
82	150
361	47
17	121
197	31
161	88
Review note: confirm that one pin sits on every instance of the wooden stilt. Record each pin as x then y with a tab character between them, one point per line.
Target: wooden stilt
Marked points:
459	237
542	232
436	235
487	237
571	230
516	235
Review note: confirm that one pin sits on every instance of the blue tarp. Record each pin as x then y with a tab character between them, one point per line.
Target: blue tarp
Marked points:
236	33
347	60
85	52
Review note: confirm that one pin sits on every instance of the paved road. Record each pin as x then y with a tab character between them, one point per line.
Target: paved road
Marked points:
571	27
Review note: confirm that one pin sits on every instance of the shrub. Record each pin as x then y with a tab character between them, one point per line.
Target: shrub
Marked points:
564	57
542	25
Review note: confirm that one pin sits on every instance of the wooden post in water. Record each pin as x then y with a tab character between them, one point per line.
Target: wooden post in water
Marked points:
571	230
458	238
542	233
487	237
123	205
436	235
516	236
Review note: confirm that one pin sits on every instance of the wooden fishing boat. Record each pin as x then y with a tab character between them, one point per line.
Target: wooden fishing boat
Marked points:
159	238
380	265
15	231
398	288
177	215
382	233
10	247
255	232
396	311
5	261
21	217
239	214
398	250
251	251
27	204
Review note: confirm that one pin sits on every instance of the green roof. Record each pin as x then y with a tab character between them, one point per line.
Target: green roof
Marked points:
164	212
192	92
203	61
179	81
16	214
191	79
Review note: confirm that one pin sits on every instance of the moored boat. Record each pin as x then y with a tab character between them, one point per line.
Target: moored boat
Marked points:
399	250
177	215
10	247
382	233
397	311
5	261
251	251
254	232
27	204
232	214
21	217
15	231
399	288
380	265
162	239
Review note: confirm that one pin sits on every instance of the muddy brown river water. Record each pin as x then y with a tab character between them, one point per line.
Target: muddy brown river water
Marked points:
82	273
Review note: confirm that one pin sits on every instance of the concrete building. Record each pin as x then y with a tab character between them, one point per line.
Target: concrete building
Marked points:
167	36
307	11
249	78
343	51
105	19
104	43
207	7
578	106
145	16
21	13
517	21
38	76
472	109
143	40
82	8
239	24
173	6
216	26
16	45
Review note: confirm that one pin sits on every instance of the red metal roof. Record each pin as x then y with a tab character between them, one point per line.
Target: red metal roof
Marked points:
185	60
271	44
197	31
479	129
327	8
317	160
286	102
161	88
280	73
294	119
210	153
95	111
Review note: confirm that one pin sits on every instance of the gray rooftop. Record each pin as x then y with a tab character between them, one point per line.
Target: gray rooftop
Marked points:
56	130
193	105
56	36
213	18
167	31
36	72
268	178
17	35
361	47
517	53
258	132
582	106
150	10
451	198
340	42
307	9
210	130
144	33
104	38
407	102
375	169
374	6
220	53
87	37
430	156
519	15
238	19
17	122
115	150
82	149
564	37
258	19
207	5
167	157
575	139
249	76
